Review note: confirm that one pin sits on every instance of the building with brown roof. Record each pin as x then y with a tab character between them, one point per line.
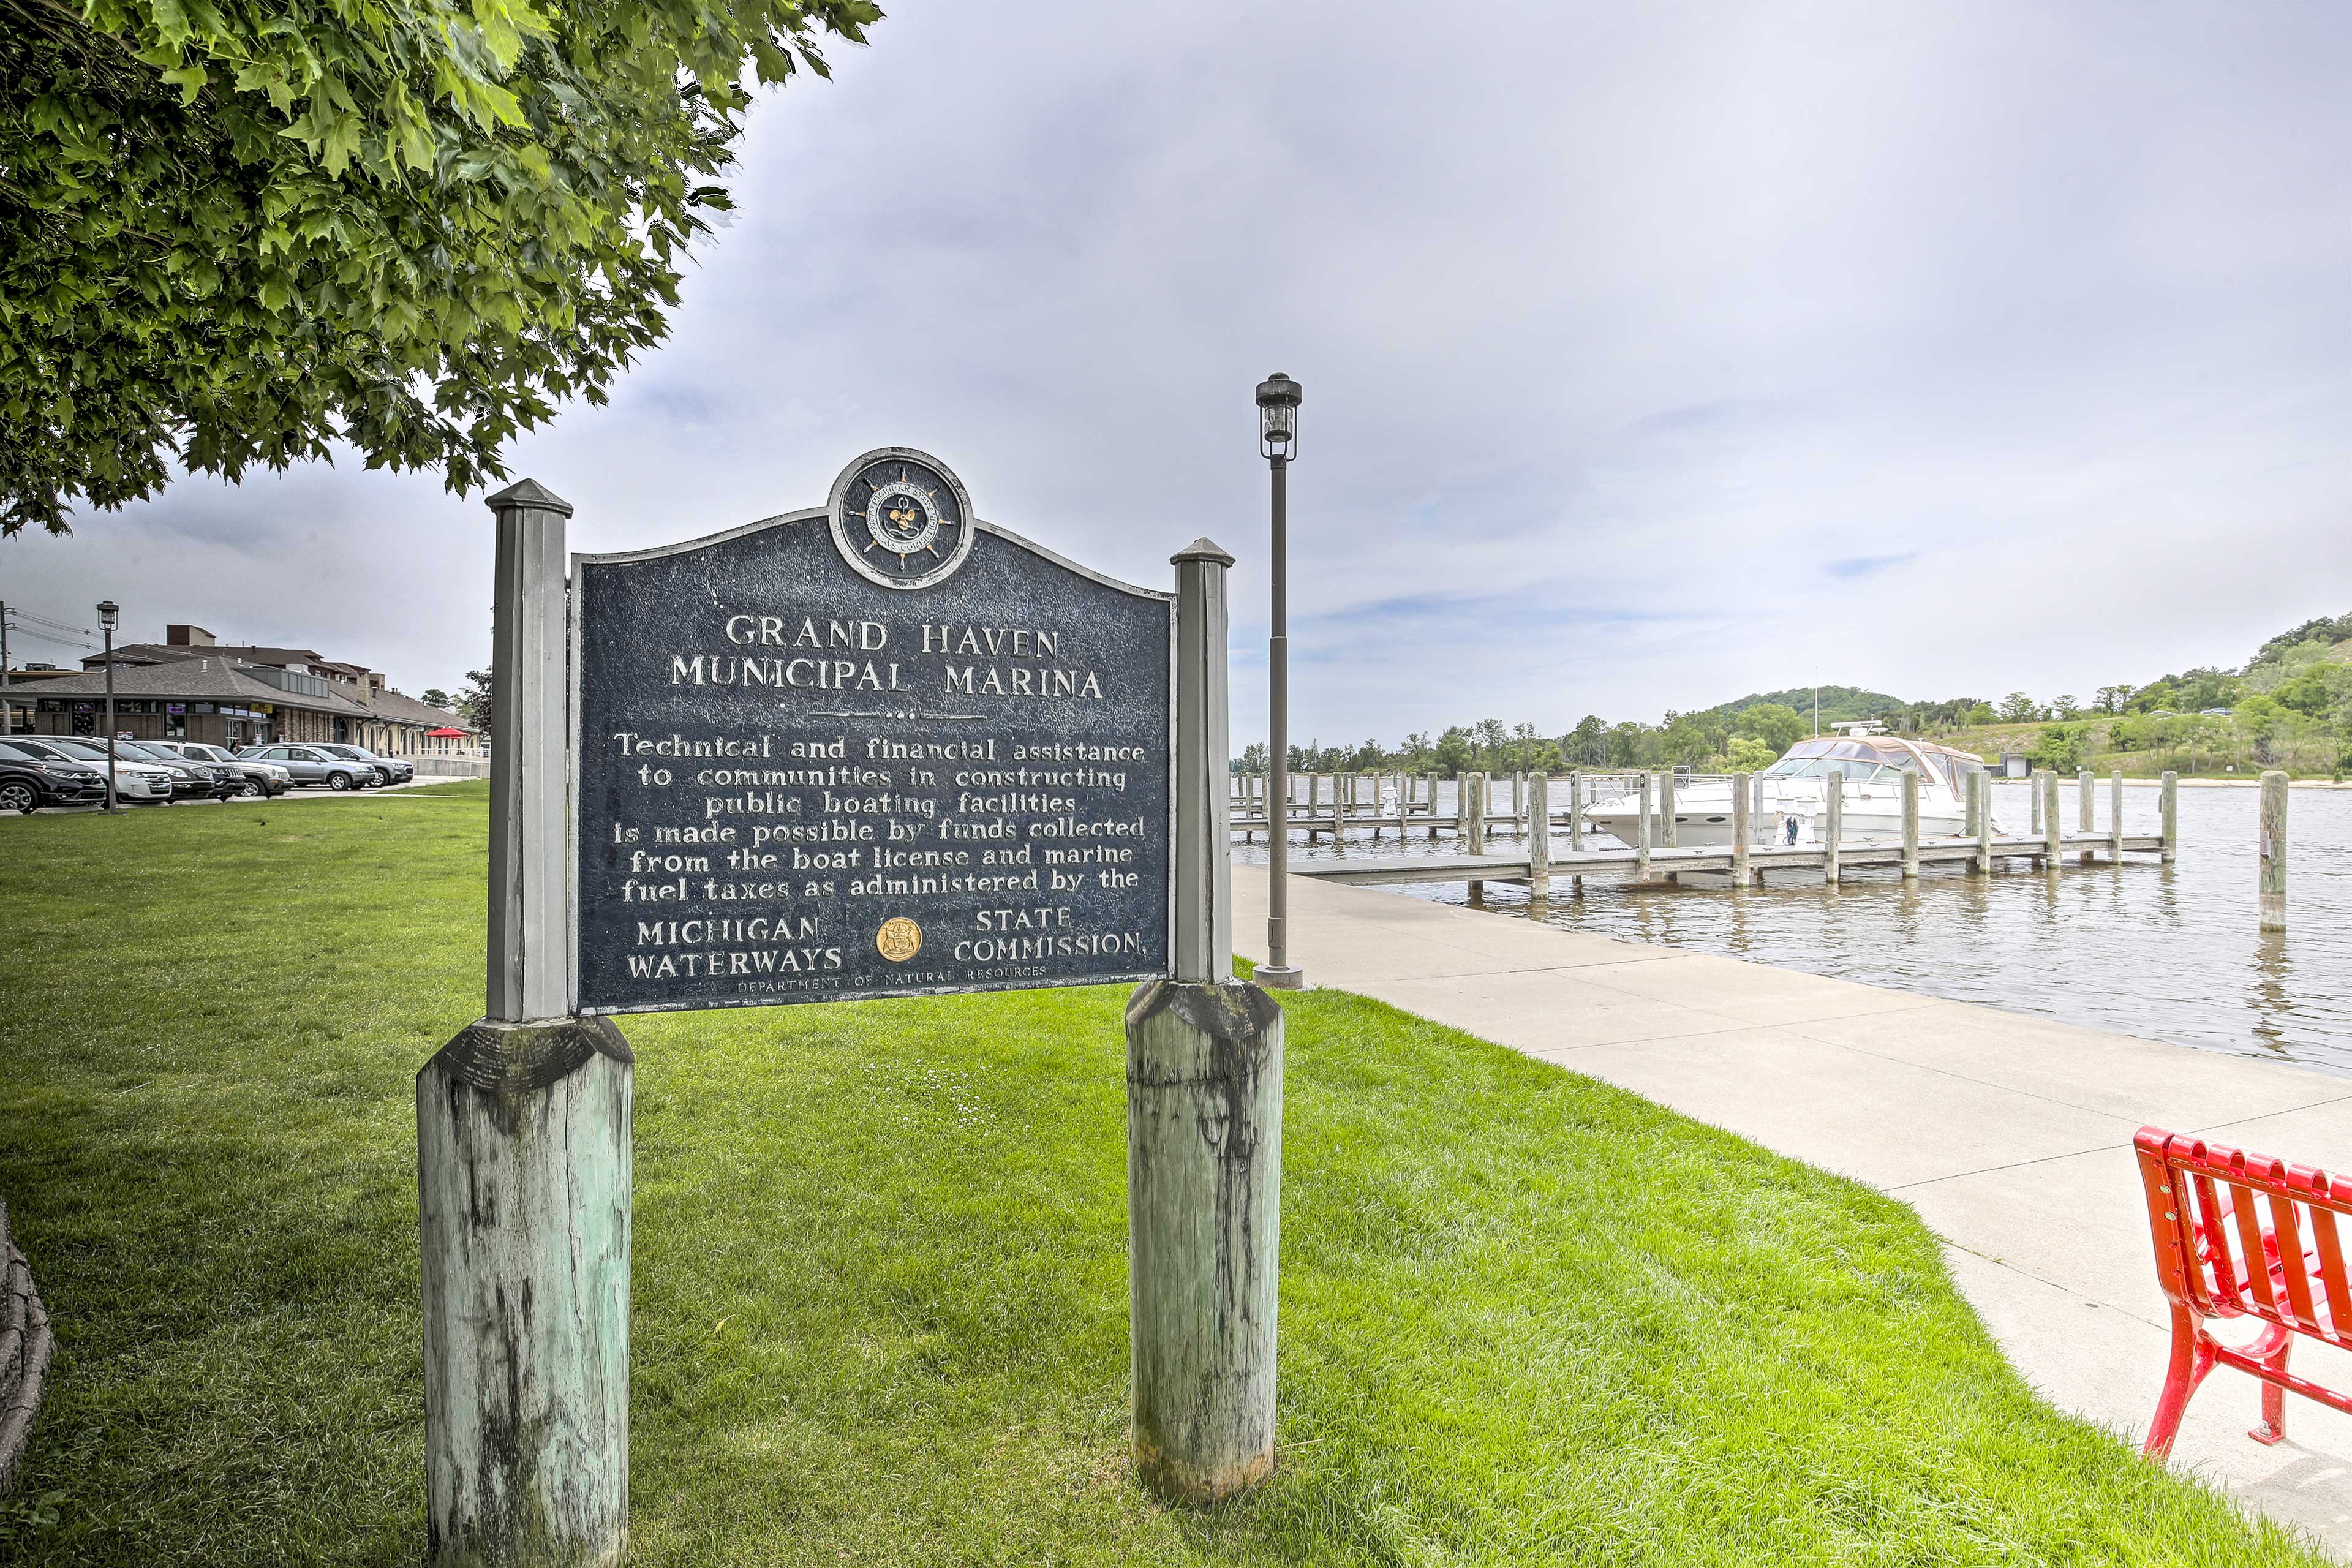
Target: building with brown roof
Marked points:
191	688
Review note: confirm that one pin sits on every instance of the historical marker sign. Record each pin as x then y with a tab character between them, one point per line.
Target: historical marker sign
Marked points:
877	749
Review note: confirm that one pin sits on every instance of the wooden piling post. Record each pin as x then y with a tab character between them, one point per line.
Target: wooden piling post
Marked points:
1969	804
2272	876
2116	816
523	1137
2086	820
1742	825
1204	1063
1473	814
1984	824
1667	838
2033	791
1910	827
1641	834
2053	833
1832	828
2167	805
1538	834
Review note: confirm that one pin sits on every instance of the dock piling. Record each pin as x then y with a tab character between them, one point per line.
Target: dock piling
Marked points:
2053	833
1539	805
1910	827
2273	874
1984	824
2116	816
2086	820
1742	825
1666	835
2167	805
1473	814
1834	787
1641	834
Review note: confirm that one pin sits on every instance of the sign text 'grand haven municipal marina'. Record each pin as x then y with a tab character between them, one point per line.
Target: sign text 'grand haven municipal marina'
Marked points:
879	749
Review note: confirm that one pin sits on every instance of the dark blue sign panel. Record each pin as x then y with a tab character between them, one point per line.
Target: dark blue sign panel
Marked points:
878	750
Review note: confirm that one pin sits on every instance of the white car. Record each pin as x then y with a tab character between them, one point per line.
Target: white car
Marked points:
144	783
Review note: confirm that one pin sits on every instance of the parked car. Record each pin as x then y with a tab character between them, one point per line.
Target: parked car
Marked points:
195	779
391	769
311	765
27	779
263	779
136	782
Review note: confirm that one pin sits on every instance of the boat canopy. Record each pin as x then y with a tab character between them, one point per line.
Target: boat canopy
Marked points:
1876	755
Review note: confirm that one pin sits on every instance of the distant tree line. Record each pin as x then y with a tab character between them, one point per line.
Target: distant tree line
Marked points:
2290	706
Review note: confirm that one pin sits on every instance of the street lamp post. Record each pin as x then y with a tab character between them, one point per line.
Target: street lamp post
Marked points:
1277	431
106	612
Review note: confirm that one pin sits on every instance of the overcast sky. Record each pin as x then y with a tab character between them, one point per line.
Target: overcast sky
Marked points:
1653	354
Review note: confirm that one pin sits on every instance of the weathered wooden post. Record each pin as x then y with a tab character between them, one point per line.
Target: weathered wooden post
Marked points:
2116	816
1203	1130
1834	798
1984	824
1910	826
1755	822
1538	834
2033	790
1433	807
1742	828
2273	870
1473	814
523	1150
1970	803
2167	805
1667	838
1576	824
1641	834
2054	833
2086	820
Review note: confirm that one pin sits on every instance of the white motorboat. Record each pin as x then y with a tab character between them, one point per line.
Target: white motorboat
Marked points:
1867	774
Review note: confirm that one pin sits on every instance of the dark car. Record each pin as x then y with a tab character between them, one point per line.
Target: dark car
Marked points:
389	770
136	782
27	780
193	780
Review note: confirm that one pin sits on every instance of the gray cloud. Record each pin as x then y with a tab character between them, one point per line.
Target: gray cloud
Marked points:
1651	354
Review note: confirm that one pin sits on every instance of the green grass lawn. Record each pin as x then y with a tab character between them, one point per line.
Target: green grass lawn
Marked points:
880	1287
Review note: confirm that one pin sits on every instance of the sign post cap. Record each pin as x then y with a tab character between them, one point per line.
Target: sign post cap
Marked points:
528	493
1202	548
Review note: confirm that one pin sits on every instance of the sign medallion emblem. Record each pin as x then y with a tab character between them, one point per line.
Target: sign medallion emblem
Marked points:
898	939
900	518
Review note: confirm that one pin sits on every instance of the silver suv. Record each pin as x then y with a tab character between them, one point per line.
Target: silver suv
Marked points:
314	765
263	779
390	770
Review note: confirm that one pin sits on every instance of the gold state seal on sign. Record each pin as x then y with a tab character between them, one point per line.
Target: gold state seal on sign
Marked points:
898	939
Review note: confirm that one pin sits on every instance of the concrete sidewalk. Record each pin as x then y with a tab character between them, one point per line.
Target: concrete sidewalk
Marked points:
2009	1135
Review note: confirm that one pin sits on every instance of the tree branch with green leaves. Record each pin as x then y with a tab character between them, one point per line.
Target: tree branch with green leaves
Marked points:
237	233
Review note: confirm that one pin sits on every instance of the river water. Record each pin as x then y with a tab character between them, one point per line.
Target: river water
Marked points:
2172	953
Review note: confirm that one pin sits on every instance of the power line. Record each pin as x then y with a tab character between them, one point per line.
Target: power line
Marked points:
20	617
23	630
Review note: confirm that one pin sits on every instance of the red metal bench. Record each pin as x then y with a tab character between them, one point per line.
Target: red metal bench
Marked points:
2243	1235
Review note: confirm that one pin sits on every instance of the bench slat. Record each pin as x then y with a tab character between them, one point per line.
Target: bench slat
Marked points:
2331	1275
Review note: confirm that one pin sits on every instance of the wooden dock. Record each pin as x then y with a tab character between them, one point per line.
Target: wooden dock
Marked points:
1754	850
1627	863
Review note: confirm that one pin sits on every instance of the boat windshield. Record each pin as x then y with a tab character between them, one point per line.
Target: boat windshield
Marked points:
1868	760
